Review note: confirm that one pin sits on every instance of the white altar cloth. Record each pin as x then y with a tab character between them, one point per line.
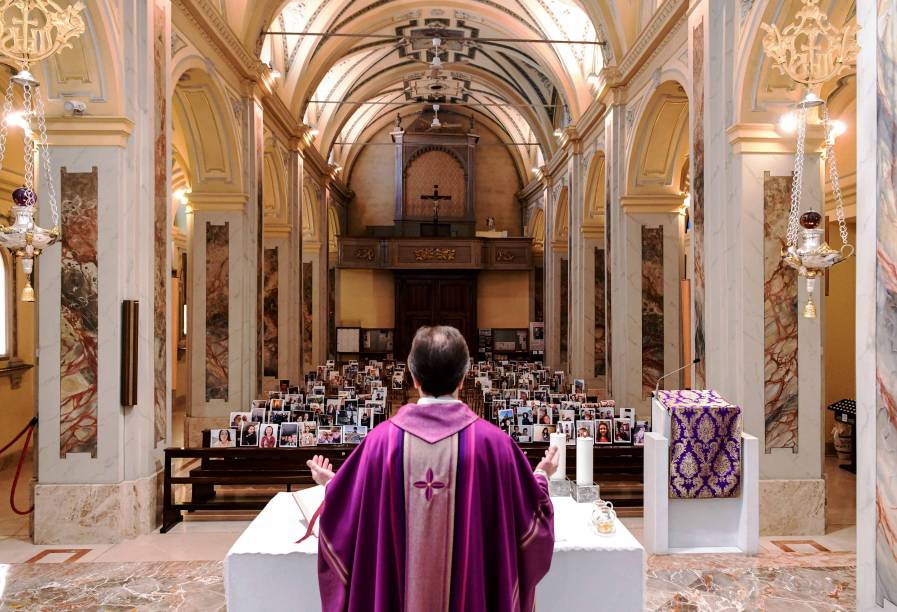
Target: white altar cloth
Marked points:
266	570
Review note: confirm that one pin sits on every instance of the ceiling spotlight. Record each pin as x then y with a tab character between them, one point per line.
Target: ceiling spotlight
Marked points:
314	132
558	132
593	79
275	74
75	107
788	123
686	201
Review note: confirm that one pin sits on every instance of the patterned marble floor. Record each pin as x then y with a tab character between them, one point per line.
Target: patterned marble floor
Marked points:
182	570
711	583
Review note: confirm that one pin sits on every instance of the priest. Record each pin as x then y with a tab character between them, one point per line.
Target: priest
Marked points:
437	509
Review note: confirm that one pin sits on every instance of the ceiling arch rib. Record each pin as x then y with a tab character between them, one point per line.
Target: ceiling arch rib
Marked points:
304	79
524	124
344	116
306	60
367	129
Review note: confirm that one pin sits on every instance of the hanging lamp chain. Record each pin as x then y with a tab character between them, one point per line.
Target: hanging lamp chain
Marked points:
27	112
4	122
797	183
833	176
44	154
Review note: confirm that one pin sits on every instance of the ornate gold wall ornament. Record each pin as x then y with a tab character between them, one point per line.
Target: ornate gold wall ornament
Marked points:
364	253
40	29
433	254
501	255
811	50
31	31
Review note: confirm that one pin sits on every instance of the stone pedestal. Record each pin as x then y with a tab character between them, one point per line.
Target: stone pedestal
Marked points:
559	488
586	494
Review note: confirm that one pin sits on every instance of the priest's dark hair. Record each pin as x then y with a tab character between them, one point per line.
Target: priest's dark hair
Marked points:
438	359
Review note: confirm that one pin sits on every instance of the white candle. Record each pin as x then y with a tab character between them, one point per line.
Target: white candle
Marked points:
584	451
559	440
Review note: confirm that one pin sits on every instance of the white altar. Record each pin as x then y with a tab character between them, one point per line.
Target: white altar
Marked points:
266	570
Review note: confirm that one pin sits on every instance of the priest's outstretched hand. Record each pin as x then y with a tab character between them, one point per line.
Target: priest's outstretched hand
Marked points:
322	471
549	463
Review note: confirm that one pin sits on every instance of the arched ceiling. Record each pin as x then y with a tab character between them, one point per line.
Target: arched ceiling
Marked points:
340	85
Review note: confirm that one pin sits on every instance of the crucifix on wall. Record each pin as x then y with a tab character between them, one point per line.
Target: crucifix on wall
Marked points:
435	197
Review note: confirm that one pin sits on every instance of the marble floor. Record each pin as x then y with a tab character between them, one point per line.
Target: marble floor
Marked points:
182	570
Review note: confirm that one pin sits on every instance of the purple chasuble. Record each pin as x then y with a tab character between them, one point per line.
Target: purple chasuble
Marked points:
436	510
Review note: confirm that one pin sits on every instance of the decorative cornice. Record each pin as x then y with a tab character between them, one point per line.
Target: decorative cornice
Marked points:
531	191
179	238
649	40
653	203
569	139
765	138
277	230
89	131
208	201
594	232
213	27
556	164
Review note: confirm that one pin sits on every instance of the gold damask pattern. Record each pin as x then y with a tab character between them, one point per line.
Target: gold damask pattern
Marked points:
705	451
432	254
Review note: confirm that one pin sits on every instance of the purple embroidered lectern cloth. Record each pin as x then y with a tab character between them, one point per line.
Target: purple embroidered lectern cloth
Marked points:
705	444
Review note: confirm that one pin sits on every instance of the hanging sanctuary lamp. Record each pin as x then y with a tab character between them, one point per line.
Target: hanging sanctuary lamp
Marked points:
31	31
812	51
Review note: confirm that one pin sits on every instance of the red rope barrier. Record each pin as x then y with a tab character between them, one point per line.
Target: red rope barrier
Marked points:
29	429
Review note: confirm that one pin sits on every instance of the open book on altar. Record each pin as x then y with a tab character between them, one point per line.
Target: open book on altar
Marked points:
309	500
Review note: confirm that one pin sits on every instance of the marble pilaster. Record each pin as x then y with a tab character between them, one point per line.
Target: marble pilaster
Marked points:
615	286
315	293
876	367
654	300
581	272
729	257
552	284
106	256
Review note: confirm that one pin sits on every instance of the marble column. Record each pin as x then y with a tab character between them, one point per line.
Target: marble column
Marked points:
226	334
618	371
876	306
315	296
582	271
758	351
253	242
98	462
291	321
650	249
554	251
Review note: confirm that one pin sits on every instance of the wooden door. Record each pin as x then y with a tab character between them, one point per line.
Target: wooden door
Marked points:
434	299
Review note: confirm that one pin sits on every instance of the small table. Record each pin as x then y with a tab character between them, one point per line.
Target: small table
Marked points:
266	570
846	412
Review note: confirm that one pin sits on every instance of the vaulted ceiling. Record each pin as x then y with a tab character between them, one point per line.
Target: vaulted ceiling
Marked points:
495	67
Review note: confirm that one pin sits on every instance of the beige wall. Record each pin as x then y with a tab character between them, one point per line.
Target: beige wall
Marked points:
373	182
18	404
839	330
365	298
503	299
496	185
